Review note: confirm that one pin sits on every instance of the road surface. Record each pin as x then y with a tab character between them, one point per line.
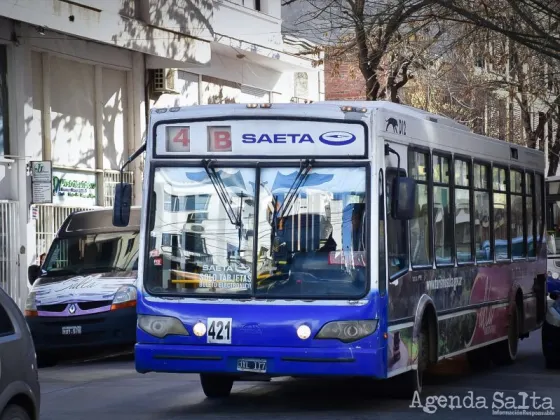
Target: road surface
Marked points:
111	389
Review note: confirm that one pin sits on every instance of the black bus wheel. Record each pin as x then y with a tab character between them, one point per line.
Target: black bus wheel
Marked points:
505	352
216	386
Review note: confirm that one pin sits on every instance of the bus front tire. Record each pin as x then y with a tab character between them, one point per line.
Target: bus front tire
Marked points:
505	352
216	386
410	383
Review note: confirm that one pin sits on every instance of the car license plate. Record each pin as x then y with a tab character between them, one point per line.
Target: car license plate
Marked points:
251	365
75	330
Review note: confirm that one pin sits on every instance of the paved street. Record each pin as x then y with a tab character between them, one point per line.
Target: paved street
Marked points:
111	389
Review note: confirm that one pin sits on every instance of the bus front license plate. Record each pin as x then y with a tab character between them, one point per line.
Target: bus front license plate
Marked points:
251	365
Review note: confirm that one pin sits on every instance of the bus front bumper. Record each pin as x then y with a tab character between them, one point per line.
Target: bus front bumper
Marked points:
280	361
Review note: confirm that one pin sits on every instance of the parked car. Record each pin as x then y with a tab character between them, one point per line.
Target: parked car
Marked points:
551	332
20	393
83	297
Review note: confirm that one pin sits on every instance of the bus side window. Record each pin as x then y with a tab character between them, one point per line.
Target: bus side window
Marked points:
397	243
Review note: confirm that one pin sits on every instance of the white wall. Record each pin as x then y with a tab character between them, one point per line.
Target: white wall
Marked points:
72	113
101	21
187	85
236	21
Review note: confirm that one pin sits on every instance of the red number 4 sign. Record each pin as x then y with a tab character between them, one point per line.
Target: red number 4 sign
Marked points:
179	139
182	136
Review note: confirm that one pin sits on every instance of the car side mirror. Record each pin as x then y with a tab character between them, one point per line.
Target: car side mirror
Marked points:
403	206
123	201
33	273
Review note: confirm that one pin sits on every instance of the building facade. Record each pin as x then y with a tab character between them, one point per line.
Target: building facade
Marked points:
77	79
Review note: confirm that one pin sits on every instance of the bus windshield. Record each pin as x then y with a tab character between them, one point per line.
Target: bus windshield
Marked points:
306	235
93	253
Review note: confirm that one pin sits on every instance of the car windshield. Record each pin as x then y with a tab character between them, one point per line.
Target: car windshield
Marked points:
310	234
94	253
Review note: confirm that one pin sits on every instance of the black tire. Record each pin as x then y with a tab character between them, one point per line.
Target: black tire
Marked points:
552	363
14	412
479	359
505	352
411	382
216	386
45	360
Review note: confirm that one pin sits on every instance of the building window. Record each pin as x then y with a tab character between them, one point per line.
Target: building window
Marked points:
463	216
4	134
251	4
420	243
301	85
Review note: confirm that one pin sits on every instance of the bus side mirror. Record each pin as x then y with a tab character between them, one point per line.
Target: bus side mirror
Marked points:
121	207
403	206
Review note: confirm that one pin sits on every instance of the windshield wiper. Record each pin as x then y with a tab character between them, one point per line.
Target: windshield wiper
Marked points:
63	271
304	170
300	178
223	195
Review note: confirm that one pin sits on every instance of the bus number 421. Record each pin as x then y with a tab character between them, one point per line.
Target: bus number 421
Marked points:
219	330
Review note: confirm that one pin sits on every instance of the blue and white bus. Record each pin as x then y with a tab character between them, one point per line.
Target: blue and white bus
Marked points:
359	239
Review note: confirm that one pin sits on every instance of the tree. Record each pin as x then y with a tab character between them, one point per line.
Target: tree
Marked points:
534	24
375	32
498	87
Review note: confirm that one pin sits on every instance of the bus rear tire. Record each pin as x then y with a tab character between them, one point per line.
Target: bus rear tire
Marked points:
505	352
216	386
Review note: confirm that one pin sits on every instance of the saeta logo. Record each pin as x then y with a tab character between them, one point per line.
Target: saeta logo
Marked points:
337	138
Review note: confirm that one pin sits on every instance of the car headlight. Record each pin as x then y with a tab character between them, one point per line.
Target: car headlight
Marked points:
347	331
31	305
161	326
124	298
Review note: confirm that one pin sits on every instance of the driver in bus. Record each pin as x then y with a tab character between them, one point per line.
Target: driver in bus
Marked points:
329	246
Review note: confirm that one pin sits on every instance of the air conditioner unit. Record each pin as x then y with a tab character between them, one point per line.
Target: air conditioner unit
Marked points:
165	81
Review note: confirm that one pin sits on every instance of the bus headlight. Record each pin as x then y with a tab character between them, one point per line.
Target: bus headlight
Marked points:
161	326
199	329
347	331
553	274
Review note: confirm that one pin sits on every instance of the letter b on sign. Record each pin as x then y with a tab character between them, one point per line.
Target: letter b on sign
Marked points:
219	139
